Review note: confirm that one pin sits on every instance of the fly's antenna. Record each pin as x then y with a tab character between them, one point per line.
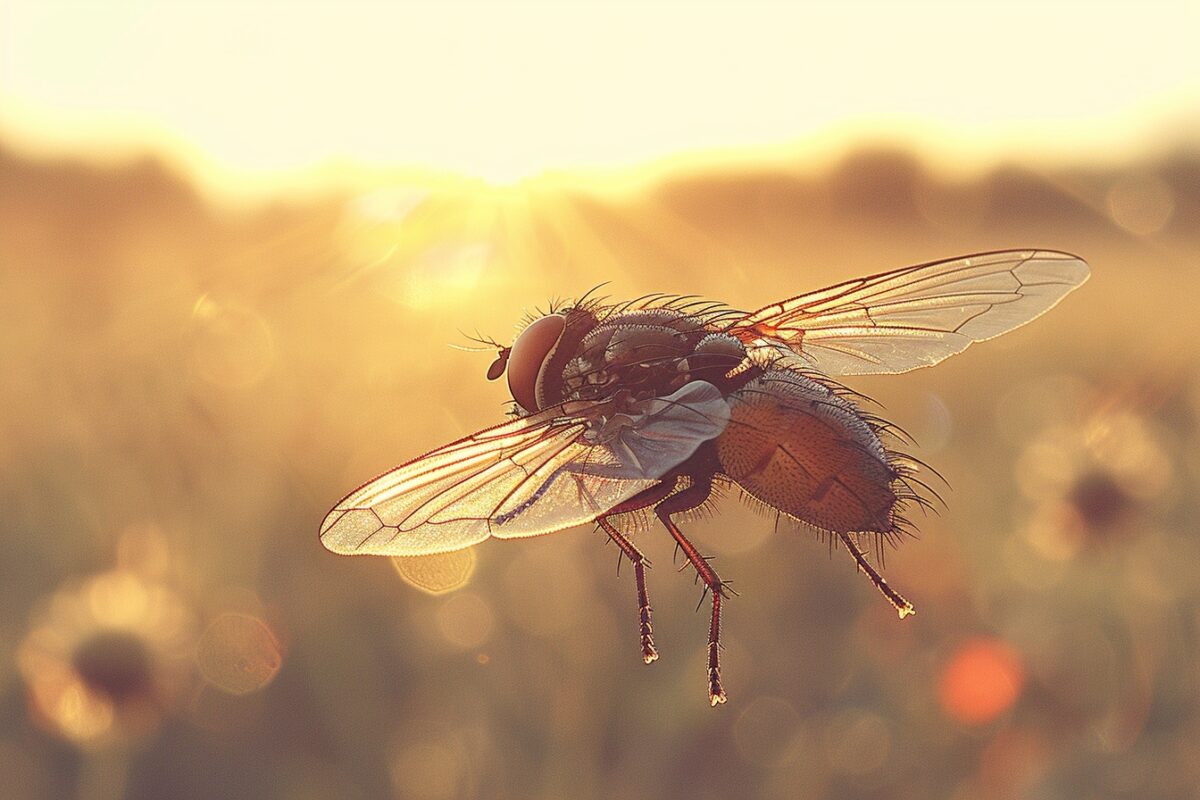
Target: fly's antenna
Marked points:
484	343
487	343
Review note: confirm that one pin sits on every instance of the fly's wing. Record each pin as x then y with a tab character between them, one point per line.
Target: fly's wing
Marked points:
538	474
664	431
916	316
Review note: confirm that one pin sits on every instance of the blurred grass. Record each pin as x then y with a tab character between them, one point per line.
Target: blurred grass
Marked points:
209	383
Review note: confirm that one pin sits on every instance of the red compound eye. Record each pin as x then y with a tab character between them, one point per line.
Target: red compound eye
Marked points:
528	354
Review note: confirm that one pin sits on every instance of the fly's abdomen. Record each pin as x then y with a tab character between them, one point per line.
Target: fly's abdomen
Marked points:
798	447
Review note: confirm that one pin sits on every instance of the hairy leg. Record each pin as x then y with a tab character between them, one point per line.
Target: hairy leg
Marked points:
686	500
902	606
645	628
639	501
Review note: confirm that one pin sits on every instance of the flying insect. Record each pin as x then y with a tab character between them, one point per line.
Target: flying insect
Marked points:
657	402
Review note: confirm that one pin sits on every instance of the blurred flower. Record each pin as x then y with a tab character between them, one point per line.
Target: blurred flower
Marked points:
108	659
1090	479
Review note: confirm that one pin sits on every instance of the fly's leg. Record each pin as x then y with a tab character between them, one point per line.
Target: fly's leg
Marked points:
643	499
645	628
686	500
902	606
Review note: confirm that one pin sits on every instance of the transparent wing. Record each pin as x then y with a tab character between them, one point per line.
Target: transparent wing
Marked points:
542	473
510	480
916	316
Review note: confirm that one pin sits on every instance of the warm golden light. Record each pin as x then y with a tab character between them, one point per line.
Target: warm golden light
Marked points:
232	346
239	243
245	94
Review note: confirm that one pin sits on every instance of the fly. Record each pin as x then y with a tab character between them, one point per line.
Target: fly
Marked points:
651	403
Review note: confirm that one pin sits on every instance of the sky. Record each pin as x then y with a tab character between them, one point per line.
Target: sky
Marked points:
241	94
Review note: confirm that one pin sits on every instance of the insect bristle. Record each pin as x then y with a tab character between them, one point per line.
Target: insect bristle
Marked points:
765	509
707	509
583	299
633	522
908	495
899	528
884	427
675	301
838	389
913	464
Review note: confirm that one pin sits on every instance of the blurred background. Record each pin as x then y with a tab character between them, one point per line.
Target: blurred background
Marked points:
236	240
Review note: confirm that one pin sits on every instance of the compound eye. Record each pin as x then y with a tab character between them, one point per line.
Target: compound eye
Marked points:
528	354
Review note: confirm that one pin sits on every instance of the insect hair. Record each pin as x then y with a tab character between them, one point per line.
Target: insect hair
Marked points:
696	316
910	490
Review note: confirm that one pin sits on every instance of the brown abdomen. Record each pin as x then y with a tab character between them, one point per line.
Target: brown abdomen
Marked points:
797	447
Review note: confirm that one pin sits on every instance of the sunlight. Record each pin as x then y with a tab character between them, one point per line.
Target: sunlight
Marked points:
505	92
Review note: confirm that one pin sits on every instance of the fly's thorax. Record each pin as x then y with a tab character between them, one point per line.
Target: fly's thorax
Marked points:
721	360
635	352
582	355
796	445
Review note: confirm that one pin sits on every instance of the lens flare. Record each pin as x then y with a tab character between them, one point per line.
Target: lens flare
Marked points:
239	653
439	573
982	679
